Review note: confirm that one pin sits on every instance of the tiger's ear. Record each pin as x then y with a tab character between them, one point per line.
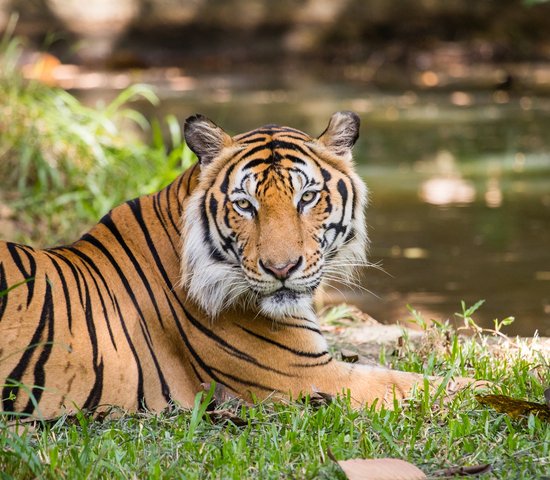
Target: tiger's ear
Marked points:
341	133
205	138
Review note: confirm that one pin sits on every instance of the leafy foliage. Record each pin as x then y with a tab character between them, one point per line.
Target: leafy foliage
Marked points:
64	165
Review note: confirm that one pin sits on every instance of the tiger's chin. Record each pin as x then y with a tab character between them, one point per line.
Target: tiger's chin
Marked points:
285	303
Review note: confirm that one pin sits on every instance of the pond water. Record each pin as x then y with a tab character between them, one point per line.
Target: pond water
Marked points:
459	188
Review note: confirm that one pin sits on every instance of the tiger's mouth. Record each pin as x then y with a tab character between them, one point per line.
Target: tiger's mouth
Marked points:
285	294
285	302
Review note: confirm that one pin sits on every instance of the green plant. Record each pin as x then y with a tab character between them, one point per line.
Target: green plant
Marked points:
67	164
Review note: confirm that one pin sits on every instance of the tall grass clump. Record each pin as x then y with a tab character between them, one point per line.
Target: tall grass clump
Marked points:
63	164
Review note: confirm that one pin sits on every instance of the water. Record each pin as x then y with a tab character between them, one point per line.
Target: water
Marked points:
459	186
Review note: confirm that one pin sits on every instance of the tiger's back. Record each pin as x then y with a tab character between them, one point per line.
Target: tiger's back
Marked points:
85	325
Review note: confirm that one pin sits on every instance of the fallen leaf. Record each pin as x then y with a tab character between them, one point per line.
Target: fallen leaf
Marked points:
547	397
319	399
514	407
223	415
349	356
463	471
380	469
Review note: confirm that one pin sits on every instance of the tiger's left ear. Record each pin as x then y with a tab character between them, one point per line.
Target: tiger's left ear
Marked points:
205	138
341	133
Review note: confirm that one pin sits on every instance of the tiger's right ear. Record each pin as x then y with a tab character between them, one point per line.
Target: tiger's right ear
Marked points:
205	138
341	133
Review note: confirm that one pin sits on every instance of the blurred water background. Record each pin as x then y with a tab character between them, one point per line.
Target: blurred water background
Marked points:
454	98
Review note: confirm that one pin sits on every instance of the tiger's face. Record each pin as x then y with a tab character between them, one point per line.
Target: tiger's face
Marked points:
275	212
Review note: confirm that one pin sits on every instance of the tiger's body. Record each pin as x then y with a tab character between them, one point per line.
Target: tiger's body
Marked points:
208	279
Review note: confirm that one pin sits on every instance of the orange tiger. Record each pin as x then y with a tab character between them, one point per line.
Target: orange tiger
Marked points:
210	279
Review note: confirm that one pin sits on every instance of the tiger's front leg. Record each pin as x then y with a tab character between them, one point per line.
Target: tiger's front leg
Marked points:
366	384
258	358
370	384
290	359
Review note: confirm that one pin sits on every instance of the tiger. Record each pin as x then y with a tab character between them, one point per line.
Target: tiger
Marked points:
210	280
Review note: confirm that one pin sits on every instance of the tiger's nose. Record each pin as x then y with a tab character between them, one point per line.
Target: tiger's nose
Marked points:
281	271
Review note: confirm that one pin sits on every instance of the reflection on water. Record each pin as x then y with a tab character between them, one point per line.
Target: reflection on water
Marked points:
459	185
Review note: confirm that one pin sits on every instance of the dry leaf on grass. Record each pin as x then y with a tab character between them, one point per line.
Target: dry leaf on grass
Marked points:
349	356
463	471
224	396
514	407
223	415
319	399
380	469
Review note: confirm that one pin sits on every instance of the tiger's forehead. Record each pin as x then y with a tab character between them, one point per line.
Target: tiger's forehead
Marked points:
272	147
269	133
270	156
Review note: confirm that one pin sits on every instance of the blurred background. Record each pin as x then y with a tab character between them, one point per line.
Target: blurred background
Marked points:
454	96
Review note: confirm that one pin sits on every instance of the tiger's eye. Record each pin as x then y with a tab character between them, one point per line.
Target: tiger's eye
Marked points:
243	204
308	196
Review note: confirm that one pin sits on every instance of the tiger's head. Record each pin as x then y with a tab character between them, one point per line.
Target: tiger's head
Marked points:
275	212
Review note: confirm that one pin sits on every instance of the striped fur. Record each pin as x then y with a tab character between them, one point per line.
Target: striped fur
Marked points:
209	279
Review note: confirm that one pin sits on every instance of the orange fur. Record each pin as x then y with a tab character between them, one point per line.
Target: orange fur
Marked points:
113	318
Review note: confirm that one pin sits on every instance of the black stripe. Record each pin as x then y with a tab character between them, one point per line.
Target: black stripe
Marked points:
259	386
32	273
295	159
210	371
225	183
66	293
196	372
140	391
178	182
94	396
215	254
297	325
110	225
168	209
260	131
282	145
228	347
190	177
198	360
311	365
3	290
72	269
299	353
300	137
160	215
88	262
143	323
271	129
39	372
11	387
252	156
135	206
103	306
343	191
13	249
260	137
227	244
326	174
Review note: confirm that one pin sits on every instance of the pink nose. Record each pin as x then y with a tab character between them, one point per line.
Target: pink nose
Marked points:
281	271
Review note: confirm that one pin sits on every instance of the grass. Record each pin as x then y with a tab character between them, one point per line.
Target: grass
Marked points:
292	440
65	165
